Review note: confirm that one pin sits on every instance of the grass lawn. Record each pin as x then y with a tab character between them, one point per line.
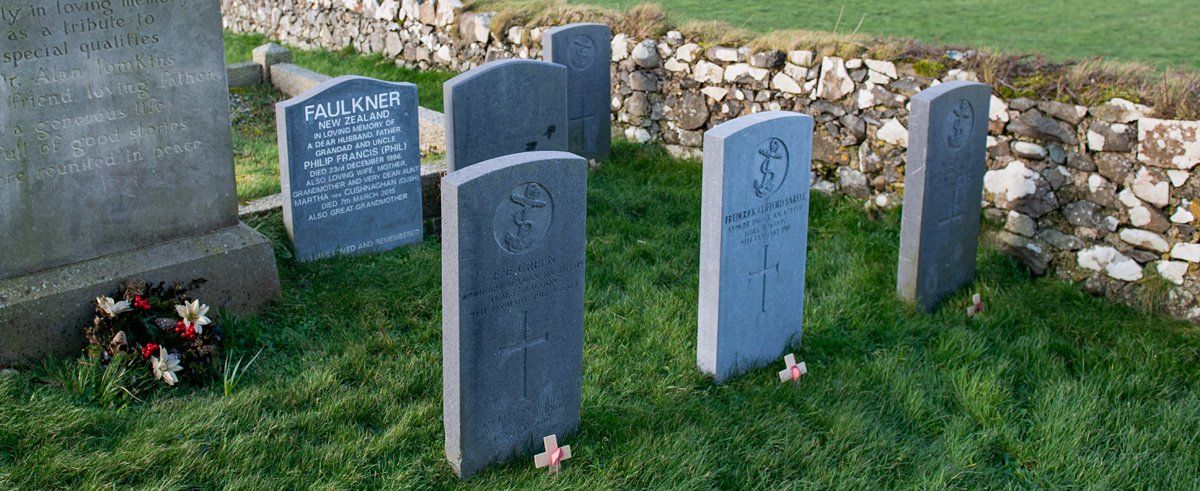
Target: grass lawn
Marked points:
254	144
1050	388
1159	32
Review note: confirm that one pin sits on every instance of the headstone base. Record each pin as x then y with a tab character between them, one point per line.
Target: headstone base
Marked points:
43	313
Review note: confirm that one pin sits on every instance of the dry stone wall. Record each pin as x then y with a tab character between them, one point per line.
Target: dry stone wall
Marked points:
1099	195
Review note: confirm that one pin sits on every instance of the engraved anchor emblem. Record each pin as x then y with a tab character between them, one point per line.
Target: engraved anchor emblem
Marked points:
964	116
770	178
522	237
583	53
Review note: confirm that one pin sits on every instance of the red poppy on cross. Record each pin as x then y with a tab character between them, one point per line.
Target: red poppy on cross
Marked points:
553	456
976	307
793	371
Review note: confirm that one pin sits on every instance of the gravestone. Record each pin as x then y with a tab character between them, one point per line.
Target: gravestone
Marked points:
505	107
513	237
585	50
350	165
947	155
753	240
115	163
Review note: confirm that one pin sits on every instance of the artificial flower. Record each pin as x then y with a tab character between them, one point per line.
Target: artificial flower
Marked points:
111	308
165	366
194	314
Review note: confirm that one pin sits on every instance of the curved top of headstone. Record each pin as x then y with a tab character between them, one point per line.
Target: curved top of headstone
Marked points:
463	176
488	70
576	28
334	82
956	87
505	107
949	118
735	126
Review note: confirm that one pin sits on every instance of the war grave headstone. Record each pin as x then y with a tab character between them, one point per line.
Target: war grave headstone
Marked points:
585	49
753	240
350	166
513	237
505	107
943	189
115	163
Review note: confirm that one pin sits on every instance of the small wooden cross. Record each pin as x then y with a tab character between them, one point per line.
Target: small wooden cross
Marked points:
976	307
793	371
553	456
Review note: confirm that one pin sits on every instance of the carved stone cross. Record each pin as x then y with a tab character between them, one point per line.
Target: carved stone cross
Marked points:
794	371
553	456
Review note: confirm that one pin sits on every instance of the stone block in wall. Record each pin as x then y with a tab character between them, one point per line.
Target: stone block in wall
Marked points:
1169	144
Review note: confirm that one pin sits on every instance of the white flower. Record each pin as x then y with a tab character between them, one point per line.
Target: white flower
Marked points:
165	366
194	314
111	308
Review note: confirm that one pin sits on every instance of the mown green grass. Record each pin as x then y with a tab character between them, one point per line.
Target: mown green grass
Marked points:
254	142
1050	388
1159	32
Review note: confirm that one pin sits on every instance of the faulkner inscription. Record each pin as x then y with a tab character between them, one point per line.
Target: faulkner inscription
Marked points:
350	163
114	128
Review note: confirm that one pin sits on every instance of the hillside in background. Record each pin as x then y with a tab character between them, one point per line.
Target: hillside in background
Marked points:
1158	32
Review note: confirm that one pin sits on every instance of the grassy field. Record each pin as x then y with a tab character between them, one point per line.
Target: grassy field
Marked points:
1159	32
254	142
1050	388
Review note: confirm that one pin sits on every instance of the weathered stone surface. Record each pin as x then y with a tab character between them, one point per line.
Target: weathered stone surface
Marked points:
1120	111
119	174
1033	124
767	59
1067	112
943	183
513	238
1116	167
269	55
294	80
585	50
1111	262
1028	150
1105	137
41	314
645	54
693	111
246	74
754	232
505	107
107	156
1169	144
350	167
835	82
1032	254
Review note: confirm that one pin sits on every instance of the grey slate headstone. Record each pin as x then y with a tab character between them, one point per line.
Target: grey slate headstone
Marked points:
753	240
585	49
505	107
115	162
113	149
513	237
947	156
350	166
